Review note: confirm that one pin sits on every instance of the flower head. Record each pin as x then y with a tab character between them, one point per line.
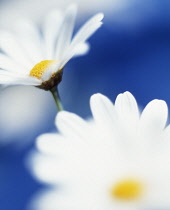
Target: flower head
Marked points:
118	160
32	58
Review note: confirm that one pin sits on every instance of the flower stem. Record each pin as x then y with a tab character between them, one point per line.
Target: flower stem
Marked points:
56	97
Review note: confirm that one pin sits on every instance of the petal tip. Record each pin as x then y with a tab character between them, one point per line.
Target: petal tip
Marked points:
96	98
61	115
96	95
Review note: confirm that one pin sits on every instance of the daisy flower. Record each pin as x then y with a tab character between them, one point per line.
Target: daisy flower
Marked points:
118	160
36	57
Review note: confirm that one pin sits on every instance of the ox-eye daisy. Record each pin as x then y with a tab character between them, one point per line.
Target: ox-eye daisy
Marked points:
33	57
118	160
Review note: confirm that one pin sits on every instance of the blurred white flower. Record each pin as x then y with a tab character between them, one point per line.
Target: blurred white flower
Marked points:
24	114
32	58
118	160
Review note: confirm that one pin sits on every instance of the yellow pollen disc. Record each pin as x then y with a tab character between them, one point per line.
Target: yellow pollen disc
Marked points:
127	190
38	70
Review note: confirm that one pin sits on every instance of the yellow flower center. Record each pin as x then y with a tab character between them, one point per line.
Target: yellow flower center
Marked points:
38	70
127	190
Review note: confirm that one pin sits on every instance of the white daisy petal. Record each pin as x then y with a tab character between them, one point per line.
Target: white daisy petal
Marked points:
26	81
66	31
8	73
126	104
102	109
10	65
49	143
69	122
9	78
87	29
79	50
153	118
50	172
46	167
31	51
128	117
30	38
51	31
127	111
5	80
8	43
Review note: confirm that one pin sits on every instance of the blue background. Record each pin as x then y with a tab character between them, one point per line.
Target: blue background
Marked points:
130	52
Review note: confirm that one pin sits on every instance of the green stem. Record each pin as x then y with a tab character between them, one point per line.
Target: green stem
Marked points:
56	97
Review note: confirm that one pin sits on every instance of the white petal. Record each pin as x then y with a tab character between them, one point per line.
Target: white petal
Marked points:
28	81
13	49
44	167
126	104
155	114
103	110
51	29
153	120
30	39
66	31
79	50
54	169
31	51
10	65
10	74
52	144
87	29
127	110
128	119
9	78
71	125
106	119
6	80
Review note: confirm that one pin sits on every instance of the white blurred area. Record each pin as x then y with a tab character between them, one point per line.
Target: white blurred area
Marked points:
36	9
24	112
